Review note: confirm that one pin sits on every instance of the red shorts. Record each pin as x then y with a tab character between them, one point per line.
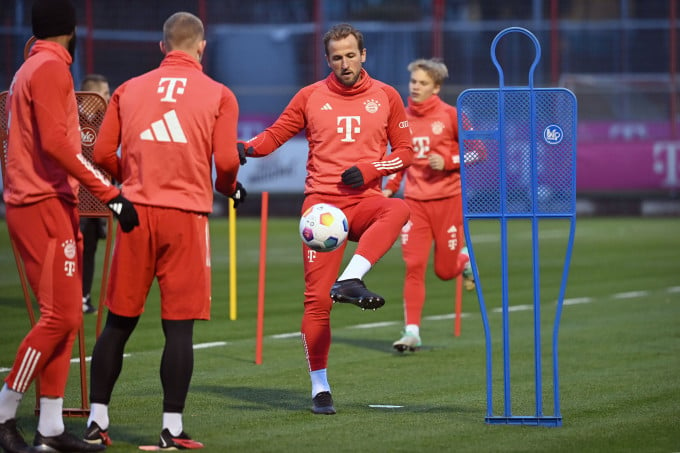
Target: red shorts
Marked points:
172	246
440	221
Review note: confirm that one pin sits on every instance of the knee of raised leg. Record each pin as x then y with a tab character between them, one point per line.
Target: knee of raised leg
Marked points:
445	274
400	209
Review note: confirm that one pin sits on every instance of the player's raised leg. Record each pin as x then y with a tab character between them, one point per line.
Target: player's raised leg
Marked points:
375	223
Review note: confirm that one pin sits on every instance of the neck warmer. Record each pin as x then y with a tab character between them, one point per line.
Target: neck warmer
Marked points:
364	83
423	108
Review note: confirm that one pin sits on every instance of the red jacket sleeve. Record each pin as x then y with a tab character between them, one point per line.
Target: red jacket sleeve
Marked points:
287	125
108	141
394	181
452	162
52	89
224	144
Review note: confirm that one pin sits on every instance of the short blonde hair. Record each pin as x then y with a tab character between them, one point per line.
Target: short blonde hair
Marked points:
182	30
434	67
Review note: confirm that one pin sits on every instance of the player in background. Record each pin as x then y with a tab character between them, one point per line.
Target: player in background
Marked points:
43	170
349	118
93	228
432	192
171	123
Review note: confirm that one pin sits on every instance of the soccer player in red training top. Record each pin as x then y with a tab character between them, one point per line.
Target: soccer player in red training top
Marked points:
43	169
432	192
349	117
171	123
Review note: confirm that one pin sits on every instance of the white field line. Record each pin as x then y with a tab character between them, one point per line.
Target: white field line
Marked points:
522	307
578	300
444	317
213	344
373	324
283	336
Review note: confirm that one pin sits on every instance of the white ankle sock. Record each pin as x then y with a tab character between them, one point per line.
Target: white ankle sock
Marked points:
413	329
173	422
319	381
357	267
99	413
9	403
51	421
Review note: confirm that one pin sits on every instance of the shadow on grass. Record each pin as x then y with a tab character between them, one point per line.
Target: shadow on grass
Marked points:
375	345
12	302
264	399
380	345
258	399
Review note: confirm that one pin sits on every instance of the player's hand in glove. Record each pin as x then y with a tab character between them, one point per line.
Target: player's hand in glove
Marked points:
360	174
239	195
125	212
353	177
244	149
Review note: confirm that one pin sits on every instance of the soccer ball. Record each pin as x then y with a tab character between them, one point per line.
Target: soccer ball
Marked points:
323	227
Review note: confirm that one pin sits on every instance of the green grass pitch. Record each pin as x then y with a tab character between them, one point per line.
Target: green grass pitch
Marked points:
619	351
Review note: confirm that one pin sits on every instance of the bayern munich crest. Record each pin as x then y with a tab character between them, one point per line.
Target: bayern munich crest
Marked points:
437	127
372	105
69	249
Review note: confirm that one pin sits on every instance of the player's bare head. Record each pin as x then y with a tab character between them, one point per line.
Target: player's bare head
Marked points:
182	31
433	67
342	31
92	80
345	53
50	18
96	83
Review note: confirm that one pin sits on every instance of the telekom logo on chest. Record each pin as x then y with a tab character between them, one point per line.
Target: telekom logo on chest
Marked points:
421	146
348	125
171	86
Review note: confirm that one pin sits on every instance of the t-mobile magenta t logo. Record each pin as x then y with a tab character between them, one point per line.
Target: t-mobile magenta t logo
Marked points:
667	162
346	125
171	86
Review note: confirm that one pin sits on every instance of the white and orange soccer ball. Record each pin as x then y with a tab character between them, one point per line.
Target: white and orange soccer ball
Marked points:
323	227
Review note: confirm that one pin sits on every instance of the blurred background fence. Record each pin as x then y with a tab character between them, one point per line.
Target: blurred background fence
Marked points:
620	57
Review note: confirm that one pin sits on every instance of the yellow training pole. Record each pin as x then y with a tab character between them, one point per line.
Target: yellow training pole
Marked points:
232	261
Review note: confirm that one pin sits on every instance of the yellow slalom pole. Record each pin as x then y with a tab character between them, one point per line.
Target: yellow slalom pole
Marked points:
232	261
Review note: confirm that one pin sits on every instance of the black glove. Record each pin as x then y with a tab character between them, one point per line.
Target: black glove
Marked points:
353	177
125	212
239	195
243	149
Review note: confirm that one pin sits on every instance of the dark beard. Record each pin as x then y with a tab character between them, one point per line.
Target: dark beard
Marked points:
72	46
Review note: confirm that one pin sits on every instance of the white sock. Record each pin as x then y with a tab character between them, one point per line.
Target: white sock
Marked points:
319	382
99	413
51	422
173	422
413	329
357	267
9	403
